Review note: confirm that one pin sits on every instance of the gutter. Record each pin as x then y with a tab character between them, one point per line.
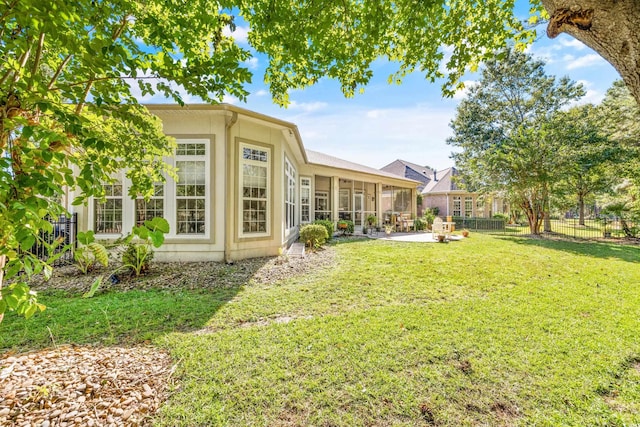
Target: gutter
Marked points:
228	206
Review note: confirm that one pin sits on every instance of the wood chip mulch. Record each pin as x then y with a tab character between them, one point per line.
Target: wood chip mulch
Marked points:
83	386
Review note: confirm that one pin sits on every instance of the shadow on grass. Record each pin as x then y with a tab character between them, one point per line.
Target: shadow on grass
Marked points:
628	253
136	311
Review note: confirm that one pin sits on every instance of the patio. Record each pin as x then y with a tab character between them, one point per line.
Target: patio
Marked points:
424	237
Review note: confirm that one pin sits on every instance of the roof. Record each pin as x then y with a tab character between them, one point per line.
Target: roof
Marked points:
443	182
334	162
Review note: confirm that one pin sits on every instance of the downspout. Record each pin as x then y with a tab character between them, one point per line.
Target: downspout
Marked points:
228	201
448	202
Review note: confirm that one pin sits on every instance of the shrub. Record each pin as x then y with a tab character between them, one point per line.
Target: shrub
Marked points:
501	216
328	225
419	224
314	235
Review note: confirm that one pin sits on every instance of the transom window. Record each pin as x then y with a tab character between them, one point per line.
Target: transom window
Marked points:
254	169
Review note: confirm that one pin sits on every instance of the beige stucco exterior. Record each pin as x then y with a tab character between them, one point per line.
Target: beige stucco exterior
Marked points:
225	130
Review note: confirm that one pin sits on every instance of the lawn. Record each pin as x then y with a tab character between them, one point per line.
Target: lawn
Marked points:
484	331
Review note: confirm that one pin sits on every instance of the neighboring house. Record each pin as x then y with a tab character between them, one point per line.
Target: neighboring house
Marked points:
246	184
444	193
423	174
440	190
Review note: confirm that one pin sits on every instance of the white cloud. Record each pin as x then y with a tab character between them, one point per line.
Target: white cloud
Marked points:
252	63
585	61
307	107
261	92
229	99
572	43
241	34
376	137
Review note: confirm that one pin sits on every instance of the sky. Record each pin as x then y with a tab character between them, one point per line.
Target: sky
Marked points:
408	121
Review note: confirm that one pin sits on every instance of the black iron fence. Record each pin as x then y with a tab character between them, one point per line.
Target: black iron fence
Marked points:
595	228
61	241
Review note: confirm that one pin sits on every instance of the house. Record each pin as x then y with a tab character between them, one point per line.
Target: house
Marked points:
440	191
423	174
246	184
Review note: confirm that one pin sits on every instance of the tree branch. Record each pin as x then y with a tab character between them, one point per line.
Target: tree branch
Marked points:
36	60
64	63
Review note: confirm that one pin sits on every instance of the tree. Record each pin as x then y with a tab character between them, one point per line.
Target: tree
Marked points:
68	113
584	153
501	128
619	115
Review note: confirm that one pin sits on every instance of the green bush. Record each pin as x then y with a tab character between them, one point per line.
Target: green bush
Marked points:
328	225
419	224
314	235
90	253
501	216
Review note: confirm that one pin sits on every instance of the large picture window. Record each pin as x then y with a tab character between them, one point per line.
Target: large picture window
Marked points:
290	194
191	188
254	185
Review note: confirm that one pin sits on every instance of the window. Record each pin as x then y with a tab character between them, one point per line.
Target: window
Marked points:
468	206
254	185
289	194
305	200
108	213
154	207
191	188
457	206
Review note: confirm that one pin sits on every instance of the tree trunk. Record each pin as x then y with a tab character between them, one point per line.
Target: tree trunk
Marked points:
581	209
546	210
610	27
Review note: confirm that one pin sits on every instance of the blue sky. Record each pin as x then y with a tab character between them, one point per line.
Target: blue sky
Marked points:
408	121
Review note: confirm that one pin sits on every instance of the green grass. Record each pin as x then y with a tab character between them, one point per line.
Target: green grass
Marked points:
485	331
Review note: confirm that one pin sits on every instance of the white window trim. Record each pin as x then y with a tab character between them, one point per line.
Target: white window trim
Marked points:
240	209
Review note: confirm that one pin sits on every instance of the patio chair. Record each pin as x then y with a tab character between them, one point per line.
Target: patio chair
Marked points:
437	227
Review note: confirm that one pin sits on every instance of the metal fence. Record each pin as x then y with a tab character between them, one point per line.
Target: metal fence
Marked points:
63	239
598	228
